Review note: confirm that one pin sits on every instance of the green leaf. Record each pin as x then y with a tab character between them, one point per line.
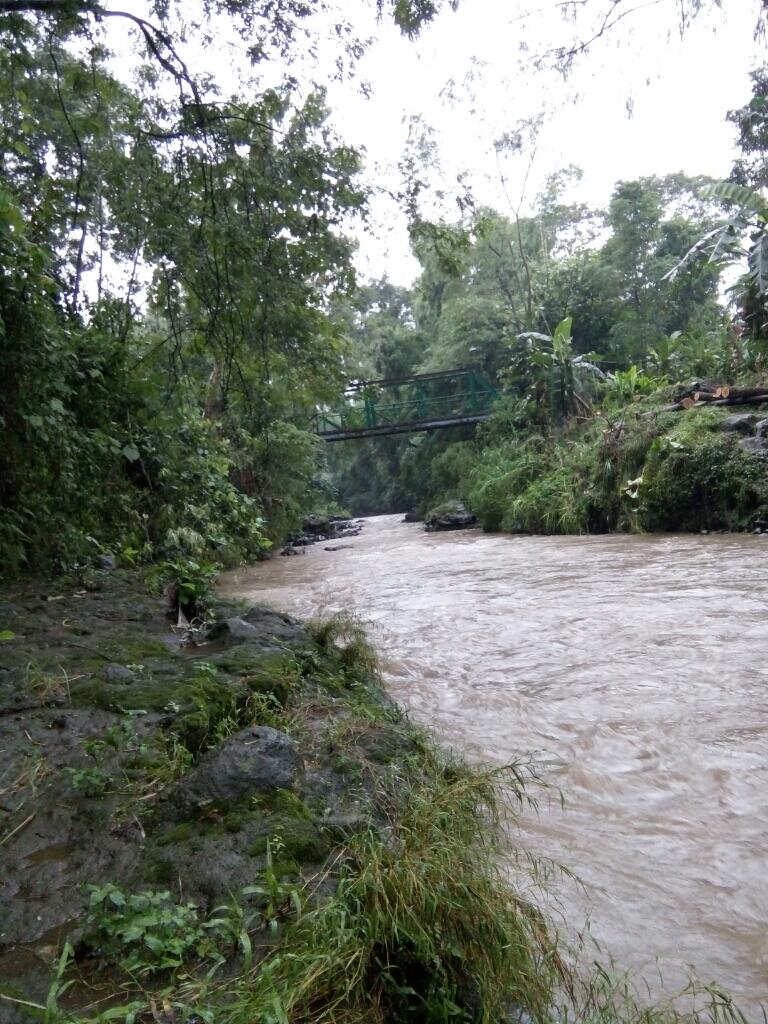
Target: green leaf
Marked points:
744	197
6	635
758	263
131	452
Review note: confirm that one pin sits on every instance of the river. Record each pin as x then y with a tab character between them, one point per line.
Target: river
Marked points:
636	665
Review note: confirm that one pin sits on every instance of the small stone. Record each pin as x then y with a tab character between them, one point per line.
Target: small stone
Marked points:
239	629
118	673
106	562
757	446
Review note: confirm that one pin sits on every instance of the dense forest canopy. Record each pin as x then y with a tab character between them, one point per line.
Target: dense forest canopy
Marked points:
178	295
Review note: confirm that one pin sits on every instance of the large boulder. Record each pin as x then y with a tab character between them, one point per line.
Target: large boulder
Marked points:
453	516
741	423
255	760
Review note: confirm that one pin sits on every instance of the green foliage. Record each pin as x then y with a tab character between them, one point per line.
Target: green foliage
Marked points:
192	581
165	279
529	301
147	932
622	386
422	926
648	470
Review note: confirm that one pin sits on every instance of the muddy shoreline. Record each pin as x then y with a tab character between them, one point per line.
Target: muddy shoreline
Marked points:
136	762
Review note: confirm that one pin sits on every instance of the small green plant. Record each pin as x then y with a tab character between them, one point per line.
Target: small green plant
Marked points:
193	580
623	385
90	781
145	932
280	897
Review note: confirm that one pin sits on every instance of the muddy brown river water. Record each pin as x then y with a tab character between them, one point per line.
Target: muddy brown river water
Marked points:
638	666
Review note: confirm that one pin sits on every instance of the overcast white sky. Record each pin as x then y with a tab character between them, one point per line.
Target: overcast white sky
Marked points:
679	91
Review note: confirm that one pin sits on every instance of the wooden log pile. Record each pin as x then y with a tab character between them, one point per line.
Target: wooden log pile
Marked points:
706	393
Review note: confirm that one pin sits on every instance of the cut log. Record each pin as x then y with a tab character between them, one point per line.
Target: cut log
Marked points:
755	399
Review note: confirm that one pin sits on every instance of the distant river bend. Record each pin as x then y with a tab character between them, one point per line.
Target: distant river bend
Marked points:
638	664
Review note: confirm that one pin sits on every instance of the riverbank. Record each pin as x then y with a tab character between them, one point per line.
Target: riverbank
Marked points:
646	467
238	828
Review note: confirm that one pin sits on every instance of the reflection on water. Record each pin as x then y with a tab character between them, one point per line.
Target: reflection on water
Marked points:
639	665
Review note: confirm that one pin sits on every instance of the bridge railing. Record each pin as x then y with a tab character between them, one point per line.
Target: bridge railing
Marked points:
368	406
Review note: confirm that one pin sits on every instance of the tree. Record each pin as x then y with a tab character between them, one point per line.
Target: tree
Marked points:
751	121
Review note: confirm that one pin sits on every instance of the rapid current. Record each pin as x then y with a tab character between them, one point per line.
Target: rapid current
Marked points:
636	667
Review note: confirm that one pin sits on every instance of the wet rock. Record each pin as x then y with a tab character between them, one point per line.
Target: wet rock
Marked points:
118	673
757	446
316	524
761	428
239	629
449	517
260	626
106	562
411	517
254	760
337	547
316	529
741	423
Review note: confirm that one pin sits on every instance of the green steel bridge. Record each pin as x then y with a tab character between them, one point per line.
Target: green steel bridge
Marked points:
428	401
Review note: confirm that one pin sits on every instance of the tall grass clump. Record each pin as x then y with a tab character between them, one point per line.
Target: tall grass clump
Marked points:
500	476
423	926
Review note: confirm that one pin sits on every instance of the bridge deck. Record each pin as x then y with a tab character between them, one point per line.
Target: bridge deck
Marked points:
351	433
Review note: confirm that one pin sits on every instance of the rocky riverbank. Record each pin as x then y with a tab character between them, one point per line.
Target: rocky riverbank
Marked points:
187	823
318	529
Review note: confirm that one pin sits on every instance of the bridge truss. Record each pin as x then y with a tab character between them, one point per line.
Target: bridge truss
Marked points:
427	401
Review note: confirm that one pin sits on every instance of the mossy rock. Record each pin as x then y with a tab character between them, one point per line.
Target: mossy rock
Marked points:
143	693
283	803
250	660
303	844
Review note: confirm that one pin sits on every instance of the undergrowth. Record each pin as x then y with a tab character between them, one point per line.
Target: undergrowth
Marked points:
422	925
648	470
